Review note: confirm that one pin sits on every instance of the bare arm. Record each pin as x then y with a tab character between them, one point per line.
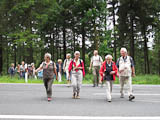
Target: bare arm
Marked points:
90	65
38	69
55	71
133	71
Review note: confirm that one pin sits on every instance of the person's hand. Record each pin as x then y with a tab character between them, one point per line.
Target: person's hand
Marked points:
133	75
56	78
121	71
100	82
112	72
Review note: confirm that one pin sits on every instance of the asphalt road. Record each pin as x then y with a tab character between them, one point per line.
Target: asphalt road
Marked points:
28	101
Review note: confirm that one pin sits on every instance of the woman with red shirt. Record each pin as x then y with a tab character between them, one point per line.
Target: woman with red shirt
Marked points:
76	68
108	71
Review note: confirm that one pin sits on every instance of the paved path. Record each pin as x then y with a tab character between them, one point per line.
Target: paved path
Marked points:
28	101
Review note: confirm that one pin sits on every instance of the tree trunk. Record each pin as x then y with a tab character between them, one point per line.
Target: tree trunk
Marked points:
146	60
114	25
83	43
64	42
159	61
1	55
132	39
15	55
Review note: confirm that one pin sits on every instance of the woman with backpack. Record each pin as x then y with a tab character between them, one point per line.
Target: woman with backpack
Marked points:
77	68
108	71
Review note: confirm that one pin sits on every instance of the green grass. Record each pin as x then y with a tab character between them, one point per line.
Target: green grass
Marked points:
140	79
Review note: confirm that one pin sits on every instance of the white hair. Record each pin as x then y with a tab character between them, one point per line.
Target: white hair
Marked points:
124	49
68	54
77	52
108	56
47	55
32	64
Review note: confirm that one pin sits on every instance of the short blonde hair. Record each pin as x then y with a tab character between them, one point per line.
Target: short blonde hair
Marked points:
108	56
59	60
48	55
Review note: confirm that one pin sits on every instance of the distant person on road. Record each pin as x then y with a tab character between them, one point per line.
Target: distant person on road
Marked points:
22	70
12	70
33	69
40	74
108	71
59	66
18	70
77	68
49	70
66	66
126	70
96	62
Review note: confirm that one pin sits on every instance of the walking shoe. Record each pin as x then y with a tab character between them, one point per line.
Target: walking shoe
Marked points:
122	95
49	99
77	97
109	101
74	95
131	97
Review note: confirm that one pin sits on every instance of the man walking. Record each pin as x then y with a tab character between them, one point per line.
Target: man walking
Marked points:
126	70
96	62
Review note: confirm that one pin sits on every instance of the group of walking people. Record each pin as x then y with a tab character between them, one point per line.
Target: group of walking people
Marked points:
103	71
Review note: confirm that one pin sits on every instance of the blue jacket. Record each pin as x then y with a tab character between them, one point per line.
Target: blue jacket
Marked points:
57	65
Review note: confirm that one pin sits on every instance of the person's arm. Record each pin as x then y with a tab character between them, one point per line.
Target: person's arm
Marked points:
101	72
40	68
132	67
133	72
90	67
101	60
83	68
55	71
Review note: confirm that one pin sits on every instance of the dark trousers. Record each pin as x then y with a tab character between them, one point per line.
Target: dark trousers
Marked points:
48	85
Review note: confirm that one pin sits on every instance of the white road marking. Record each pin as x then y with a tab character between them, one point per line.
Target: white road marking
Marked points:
75	117
146	94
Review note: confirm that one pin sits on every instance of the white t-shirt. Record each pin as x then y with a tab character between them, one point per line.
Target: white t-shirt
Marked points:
96	60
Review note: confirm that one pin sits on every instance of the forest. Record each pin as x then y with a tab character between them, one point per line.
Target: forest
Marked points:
30	28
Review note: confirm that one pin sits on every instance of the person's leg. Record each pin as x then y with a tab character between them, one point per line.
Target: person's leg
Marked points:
94	76
121	81
67	77
98	76
79	82
129	88
108	90
45	84
49	89
59	77
74	83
